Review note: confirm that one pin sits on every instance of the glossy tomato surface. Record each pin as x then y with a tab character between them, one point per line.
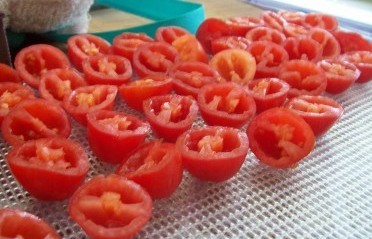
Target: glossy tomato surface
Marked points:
352	41
156	166
325	21
329	44
363	61
169	34
229	42
303	48
112	135
213	153
126	43
280	138
273	20
50	169
265	33
240	25
8	74
190	49
110	207
211	29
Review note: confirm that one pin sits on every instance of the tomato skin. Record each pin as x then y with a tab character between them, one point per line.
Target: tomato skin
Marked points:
11	94
320	112
239	26
33	119
32	163
161	120
122	217
268	93
216	166
273	20
190	49
88	98
303	48
294	30
294	17
83	46
21	224
321	20
169	34
280	138
135	92
32	61
352	41
363	61
156	166
127	43
329	44
229	42
225	104
340	74
8	74
107	69
154	58
109	140
265	33
57	83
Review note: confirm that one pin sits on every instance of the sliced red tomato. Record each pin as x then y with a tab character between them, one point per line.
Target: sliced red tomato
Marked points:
107	69
304	77
11	94
239	26
226	104
33	119
189	77
265	33
110	207
320	112
113	135
340	74
50	169
135	92
15	223
156	166
88	98
154	58
170	115
325	21
304	48
213	153
280	138
352	41
229	42
169	34
268	93
295	30
294	17
126	43
56	84
210	29
330	46
234	65
83	46
190	49
273	20
8	74
33	61
363	61
269	56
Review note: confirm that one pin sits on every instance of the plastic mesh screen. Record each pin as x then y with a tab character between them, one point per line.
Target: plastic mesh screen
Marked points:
328	195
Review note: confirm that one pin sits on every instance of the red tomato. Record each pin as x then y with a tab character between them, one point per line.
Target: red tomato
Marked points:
107	69
210	29
363	61
304	48
83	46
170	115
7	73
340	74
320	112
321	20
49	169
280	138
15	223
156	166
269	56
265	34
113	135
189	77
226	104
11	94
169	34
273	20
268	93
294	17
33	119
127	43
229	42
154	58
352	41
304	77
135	92
190	49
213	153
110	207
294	30
330	46
33	61
234	65
241	25
56	84
88	98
